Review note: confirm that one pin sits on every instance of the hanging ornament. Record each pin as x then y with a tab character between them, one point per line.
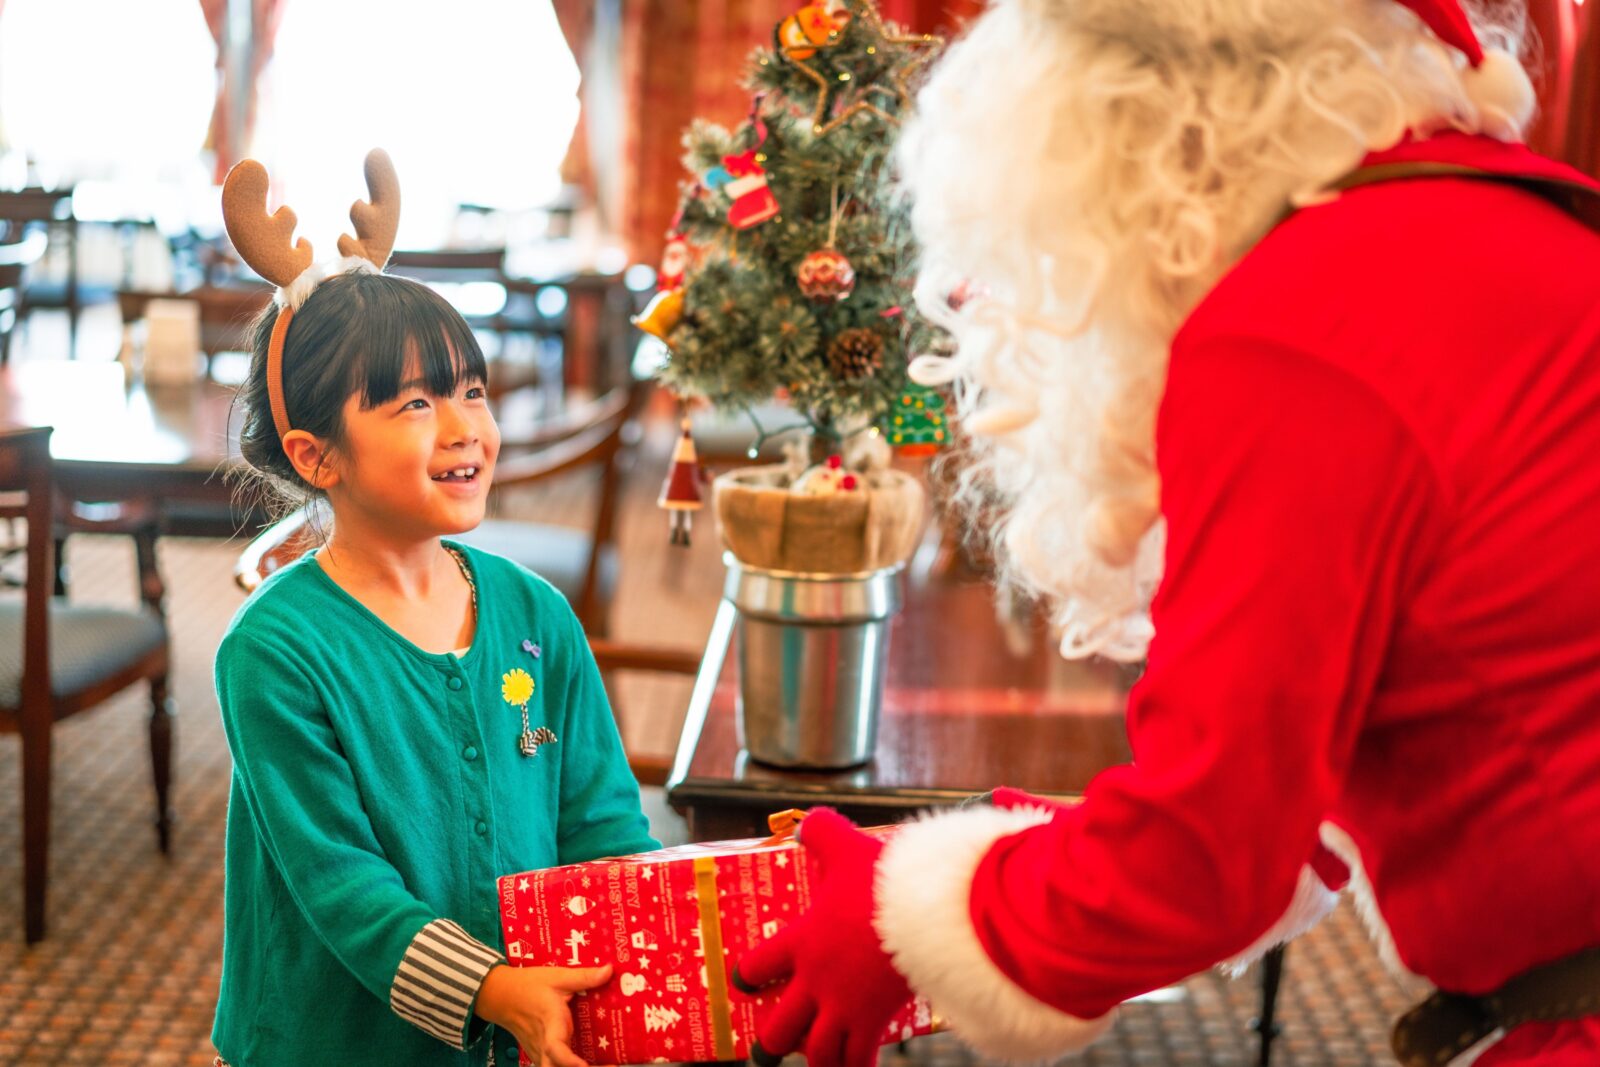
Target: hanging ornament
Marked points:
674	261
826	276
753	202
662	314
897	91
855	353
826	479
917	425
680	492
813	26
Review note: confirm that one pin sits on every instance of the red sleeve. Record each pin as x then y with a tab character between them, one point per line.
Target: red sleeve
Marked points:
1299	510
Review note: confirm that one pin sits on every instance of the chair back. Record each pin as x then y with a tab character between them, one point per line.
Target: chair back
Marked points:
598	435
25	469
278	546
449	265
226	315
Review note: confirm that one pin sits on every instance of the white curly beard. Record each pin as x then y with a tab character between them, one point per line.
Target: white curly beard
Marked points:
1095	167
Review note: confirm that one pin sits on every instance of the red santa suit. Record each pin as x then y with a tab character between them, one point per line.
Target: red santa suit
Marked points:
1379	451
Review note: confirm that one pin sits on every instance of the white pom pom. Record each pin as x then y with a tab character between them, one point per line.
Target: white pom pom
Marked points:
1503	94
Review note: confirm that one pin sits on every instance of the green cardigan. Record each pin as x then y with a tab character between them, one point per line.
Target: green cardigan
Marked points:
378	791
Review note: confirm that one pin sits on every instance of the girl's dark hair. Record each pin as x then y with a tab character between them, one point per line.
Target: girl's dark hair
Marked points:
352	335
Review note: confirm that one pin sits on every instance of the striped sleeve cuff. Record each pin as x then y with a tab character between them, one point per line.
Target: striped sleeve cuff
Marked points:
438	980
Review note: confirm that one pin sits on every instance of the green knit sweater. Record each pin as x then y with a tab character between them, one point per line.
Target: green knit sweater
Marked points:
378	791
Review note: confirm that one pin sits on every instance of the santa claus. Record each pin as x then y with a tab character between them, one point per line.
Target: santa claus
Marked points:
1285	357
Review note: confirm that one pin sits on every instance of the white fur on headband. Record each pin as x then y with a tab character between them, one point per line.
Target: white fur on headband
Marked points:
297	292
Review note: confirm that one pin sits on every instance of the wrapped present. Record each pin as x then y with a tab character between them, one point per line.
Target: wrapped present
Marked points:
672	923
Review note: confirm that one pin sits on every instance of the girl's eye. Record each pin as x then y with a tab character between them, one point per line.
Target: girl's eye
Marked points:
415	405
476	392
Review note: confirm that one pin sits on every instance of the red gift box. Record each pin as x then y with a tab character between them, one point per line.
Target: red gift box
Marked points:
658	917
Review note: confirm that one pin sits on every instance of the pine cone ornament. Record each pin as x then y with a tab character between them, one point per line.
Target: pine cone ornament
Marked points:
855	353
826	276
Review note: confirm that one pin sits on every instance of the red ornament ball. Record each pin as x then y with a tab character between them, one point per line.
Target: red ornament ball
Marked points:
826	276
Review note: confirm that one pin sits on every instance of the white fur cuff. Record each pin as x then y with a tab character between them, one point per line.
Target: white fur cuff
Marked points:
1313	901
924	883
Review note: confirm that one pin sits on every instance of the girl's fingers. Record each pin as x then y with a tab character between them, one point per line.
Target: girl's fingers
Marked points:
577	979
559	1054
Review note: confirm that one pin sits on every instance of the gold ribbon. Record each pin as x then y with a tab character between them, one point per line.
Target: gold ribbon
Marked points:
782	824
705	884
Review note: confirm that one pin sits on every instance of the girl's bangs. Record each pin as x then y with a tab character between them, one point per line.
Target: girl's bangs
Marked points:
407	318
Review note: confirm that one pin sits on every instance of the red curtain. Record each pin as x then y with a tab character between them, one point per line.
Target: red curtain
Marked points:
577	26
681	60
684	60
232	119
930	16
1582	142
1555	24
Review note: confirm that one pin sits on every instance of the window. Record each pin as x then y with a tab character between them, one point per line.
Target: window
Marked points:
475	100
106	89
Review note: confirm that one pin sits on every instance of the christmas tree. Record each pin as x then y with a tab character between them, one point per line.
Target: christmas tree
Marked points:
789	268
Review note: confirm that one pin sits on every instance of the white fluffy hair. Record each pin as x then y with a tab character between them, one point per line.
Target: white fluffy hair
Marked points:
1090	169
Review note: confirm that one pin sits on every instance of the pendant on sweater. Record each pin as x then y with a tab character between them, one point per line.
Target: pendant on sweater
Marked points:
530	740
516	688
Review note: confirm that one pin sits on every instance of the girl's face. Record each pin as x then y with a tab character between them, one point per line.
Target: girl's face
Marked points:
418	464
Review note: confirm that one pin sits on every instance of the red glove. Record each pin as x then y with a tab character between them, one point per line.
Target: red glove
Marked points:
841	988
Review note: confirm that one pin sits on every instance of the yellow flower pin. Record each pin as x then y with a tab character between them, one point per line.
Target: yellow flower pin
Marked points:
516	686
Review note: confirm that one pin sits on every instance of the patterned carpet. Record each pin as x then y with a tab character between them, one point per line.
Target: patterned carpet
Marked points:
128	974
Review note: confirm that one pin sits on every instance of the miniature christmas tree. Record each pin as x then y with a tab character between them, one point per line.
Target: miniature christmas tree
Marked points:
917	425
789	268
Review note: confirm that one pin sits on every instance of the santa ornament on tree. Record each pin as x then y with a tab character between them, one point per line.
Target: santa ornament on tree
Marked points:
1280	317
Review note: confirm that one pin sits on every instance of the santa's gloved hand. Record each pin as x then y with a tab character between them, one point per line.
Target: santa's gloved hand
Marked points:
841	988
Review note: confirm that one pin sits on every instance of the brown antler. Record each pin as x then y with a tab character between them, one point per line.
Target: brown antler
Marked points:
265	241
376	221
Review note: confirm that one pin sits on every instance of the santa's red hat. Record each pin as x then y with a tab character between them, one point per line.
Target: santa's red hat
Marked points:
1496	83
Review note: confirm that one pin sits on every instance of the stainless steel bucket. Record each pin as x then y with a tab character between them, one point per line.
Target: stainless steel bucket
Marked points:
812	649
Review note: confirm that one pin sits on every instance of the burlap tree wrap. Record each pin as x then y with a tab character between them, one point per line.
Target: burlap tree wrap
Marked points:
765	525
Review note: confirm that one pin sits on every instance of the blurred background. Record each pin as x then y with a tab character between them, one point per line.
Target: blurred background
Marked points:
539	146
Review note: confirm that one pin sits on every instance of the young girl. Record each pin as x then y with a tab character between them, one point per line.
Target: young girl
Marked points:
409	718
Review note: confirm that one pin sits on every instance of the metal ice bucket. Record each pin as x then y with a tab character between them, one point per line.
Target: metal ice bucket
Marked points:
812	649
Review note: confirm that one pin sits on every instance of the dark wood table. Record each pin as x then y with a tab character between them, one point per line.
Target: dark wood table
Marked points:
969	704
117	440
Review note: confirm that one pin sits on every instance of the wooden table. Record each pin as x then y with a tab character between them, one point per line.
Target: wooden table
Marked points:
116	441
968	706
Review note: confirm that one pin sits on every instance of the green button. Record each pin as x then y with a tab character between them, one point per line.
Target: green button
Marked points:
454	683
483	828
469	753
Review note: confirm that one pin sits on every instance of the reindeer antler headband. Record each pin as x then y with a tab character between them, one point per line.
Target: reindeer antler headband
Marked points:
264	242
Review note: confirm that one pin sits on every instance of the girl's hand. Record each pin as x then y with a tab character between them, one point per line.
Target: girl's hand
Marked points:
531	1002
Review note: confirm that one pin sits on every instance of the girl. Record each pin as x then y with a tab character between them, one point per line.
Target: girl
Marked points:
408	717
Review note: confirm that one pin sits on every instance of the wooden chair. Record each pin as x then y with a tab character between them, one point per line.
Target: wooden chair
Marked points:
225	313
18	252
48	210
57	659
